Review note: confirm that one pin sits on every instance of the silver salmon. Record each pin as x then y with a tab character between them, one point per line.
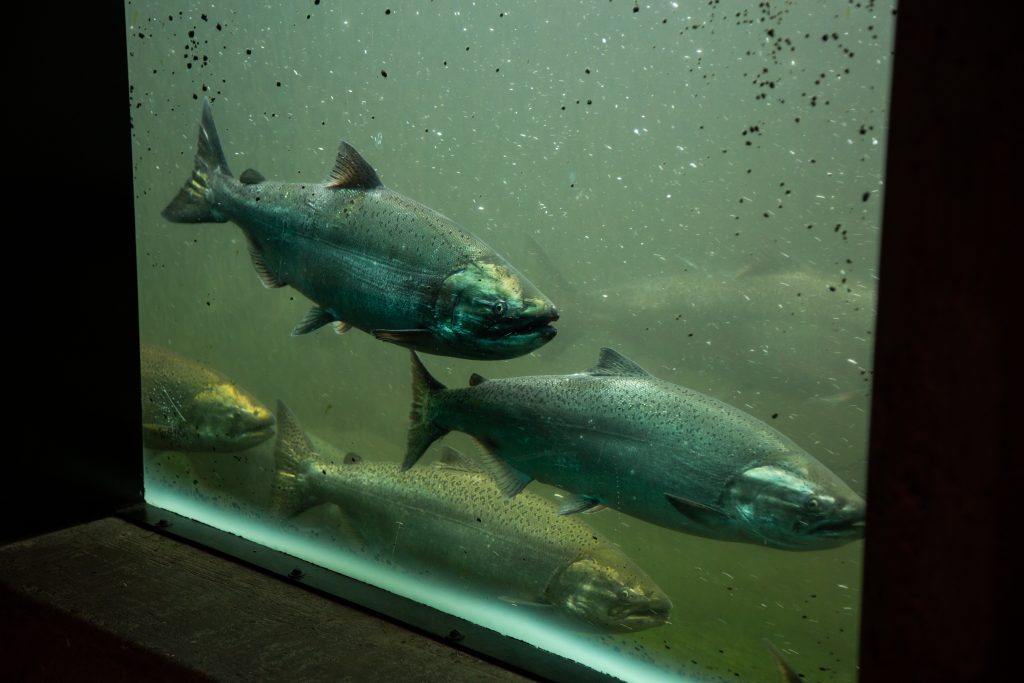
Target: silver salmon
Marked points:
450	519
369	257
617	436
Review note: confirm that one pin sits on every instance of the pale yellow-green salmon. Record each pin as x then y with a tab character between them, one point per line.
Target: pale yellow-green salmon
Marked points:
190	407
450	520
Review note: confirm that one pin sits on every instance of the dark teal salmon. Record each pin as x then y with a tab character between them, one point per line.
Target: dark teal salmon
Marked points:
369	257
619	437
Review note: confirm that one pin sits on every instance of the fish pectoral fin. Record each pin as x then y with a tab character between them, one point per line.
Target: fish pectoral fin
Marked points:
330	517
251	176
269	280
456	460
700	513
413	338
314	320
508	479
580	503
519	602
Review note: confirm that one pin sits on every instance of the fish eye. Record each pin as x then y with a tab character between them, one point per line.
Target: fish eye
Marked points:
499	307
812	504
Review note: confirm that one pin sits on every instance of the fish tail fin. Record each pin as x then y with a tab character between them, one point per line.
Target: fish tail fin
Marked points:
292	453
192	204
422	430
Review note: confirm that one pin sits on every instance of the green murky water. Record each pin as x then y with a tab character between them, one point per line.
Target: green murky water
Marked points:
697	185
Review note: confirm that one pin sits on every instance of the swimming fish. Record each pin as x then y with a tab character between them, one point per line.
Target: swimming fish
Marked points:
449	519
795	332
190	407
617	436
369	257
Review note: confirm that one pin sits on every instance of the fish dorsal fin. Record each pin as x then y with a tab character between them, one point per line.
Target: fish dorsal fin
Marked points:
351	171
476	379
611	362
456	460
787	673
251	176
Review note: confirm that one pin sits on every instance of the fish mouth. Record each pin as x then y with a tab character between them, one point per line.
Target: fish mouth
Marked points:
259	433
634	617
535	325
844	528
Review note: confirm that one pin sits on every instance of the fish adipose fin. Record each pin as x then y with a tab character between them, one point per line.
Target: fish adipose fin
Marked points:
508	479
291	454
704	515
351	171
476	379
314	320
191	204
580	503
422	430
611	362
269	280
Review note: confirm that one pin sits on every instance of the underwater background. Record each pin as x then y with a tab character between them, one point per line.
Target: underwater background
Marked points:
697	185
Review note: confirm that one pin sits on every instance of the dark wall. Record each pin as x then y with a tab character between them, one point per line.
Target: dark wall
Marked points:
942	518
68	241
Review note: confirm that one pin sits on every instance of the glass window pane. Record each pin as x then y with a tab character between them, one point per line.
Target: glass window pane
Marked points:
696	186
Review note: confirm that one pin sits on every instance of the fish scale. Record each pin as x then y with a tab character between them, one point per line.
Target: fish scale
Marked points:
618	436
450	520
369	257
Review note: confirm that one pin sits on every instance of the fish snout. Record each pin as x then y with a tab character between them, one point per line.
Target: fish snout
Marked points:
847	523
641	611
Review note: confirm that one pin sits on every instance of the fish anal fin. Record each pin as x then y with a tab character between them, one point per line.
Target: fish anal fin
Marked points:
269	280
580	503
508	479
611	362
341	327
314	320
351	171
